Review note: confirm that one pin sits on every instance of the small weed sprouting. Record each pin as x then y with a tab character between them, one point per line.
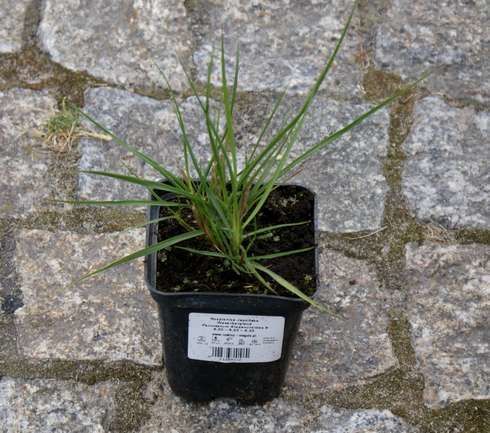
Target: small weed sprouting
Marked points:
64	127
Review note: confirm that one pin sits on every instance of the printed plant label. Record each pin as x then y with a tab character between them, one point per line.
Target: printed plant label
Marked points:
235	337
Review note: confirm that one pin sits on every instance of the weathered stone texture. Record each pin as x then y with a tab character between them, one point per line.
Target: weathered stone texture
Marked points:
12	15
331	352
149	125
110	317
170	414
333	420
420	34
46	405
283	44
25	180
449	308
119	42
446	177
348	175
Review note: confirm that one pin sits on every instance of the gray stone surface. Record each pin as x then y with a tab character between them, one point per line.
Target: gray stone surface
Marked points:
12	15
449	309
25	182
145	123
348	175
47	405
330	352
420	34
446	177
333	420
170	414
118	41
110	317
282	43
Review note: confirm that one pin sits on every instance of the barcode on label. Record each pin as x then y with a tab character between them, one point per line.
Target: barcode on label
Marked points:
230	352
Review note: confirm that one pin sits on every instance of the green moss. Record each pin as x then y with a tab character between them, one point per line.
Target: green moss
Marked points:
85	220
380	84
88	372
399	332
396	390
473	236
131	409
33	69
471	416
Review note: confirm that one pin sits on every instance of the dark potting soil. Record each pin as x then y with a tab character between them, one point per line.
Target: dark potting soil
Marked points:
181	271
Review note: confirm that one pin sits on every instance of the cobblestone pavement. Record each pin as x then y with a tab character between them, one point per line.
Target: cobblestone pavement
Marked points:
403	201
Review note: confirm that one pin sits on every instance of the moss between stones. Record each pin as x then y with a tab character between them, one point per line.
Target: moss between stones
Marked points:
32	69
84	220
89	372
471	416
399	332
466	236
379	84
131	409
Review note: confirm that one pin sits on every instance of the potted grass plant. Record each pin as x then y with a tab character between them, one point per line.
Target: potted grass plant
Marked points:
230	253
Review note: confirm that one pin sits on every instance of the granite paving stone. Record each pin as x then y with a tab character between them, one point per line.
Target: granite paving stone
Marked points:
332	420
348	175
110	317
446	177
149	125
452	36
449	308
12	15
335	352
283	44
169	413
49	405
23	158
119	42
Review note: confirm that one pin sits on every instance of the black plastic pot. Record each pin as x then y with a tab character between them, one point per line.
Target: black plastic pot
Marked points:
227	372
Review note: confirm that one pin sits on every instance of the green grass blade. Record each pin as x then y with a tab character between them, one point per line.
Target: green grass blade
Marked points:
228	105
309	99
163	203
203	252
274	227
145	252
262	280
149	184
146	223
282	254
188	150
267	123
337	134
288	286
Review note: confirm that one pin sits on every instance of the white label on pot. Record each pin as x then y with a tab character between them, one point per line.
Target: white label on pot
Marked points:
235	337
